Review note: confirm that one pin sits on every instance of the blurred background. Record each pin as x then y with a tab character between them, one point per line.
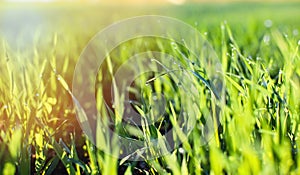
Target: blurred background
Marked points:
148	1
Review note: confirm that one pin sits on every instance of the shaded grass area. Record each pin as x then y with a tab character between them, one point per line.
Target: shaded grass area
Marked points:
258	46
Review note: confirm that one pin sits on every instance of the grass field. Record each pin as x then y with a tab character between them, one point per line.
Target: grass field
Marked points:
257	44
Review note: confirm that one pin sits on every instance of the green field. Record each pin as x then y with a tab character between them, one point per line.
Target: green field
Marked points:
256	129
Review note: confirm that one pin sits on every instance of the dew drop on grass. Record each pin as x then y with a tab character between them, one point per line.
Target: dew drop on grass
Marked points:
249	57
264	84
181	150
154	98
268	23
5	106
222	27
299	42
37	94
174	45
266	39
205	33
295	32
84	147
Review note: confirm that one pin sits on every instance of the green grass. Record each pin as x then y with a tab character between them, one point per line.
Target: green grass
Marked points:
258	131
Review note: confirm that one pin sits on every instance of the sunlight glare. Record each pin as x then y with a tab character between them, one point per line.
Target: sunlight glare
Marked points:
29	0
177	2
